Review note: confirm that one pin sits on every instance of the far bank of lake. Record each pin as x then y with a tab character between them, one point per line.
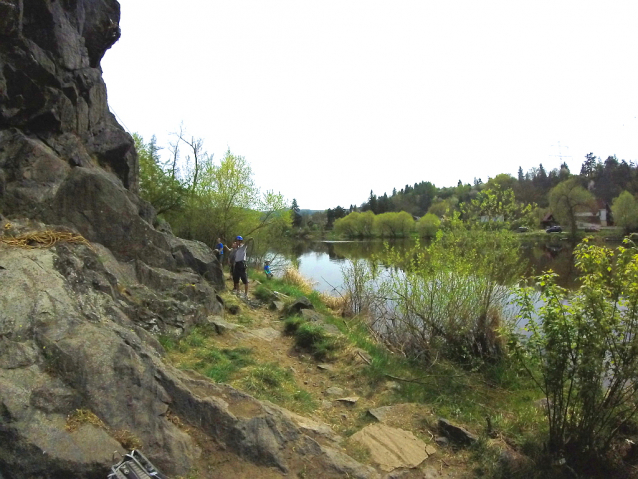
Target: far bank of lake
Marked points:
322	261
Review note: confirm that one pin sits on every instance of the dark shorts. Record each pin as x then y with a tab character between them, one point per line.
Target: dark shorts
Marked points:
239	272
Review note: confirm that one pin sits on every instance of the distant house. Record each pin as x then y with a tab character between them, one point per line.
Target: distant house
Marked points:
548	220
604	213
600	215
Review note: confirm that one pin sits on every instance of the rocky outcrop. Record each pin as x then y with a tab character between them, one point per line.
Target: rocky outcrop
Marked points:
64	159
68	341
81	370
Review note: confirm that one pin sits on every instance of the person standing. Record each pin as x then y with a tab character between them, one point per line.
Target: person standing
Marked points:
231	258
239	270
219	251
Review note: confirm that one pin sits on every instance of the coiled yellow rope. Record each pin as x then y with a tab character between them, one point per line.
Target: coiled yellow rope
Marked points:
43	239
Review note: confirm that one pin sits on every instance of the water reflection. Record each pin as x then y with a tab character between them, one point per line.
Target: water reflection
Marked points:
321	261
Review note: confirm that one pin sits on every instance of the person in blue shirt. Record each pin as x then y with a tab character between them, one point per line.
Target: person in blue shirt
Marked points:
267	269
219	250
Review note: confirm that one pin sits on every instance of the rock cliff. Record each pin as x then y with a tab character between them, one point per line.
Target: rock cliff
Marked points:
77	321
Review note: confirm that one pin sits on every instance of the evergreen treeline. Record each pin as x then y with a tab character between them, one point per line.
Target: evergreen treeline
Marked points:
605	181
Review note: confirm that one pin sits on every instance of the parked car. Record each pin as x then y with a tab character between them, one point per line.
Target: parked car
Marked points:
523	229
554	229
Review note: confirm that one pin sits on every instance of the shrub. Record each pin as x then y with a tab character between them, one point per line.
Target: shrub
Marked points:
448	298
582	350
428	225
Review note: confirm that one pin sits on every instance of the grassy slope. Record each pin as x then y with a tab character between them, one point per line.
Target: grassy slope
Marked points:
285	371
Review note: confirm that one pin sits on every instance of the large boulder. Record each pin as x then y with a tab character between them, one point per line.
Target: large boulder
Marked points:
69	343
81	372
64	159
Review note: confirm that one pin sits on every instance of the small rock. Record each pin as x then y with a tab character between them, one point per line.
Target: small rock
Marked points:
325	367
392	385
349	400
233	309
312	316
380	413
391	448
325	404
278	306
442	441
430	450
222	326
299	304
305	383
456	433
334	391
267	334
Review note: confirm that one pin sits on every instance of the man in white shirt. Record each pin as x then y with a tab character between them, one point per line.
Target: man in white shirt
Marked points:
239	270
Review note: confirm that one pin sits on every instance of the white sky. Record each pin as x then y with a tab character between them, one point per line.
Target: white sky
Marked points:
330	99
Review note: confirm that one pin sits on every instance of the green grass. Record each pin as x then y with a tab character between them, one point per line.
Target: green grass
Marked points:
263	293
275	384
222	364
312	338
276	284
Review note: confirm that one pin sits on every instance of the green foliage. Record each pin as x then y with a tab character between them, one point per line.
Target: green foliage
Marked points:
312	337
582	352
355	225
223	201
221	365
428	225
568	198
498	208
263	293
394	225
159	183
273	383
443	208
625	210
450	298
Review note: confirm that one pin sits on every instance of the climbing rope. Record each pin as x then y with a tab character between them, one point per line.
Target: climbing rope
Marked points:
43	239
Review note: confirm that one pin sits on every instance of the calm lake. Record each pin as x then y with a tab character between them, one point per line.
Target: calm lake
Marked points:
322	261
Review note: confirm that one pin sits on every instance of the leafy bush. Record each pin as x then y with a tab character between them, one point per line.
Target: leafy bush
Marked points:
582	350
449	298
428	225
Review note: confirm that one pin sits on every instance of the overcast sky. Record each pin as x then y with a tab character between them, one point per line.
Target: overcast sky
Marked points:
328	100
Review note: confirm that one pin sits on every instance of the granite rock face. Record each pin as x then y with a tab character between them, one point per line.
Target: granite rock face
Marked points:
77	322
64	159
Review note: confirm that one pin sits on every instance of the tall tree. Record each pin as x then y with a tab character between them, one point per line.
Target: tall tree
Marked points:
158	183
567	199
296	214
625	211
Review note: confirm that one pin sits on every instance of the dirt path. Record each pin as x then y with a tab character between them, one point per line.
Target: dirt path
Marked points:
264	361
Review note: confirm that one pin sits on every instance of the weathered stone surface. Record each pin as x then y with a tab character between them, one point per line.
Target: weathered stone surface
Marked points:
278	306
390	447
312	315
222	327
71	346
349	400
75	321
380	413
334	391
299	304
456	434
267	334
